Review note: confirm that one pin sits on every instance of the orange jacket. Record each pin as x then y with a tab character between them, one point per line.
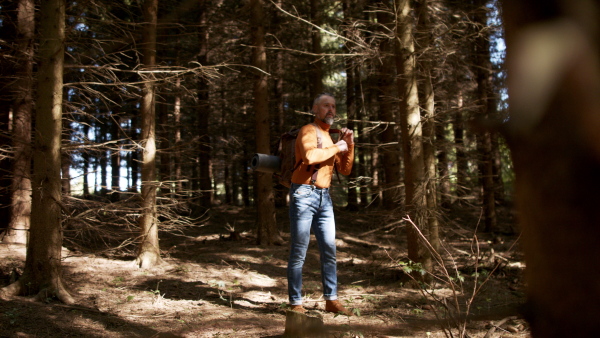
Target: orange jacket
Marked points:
307	151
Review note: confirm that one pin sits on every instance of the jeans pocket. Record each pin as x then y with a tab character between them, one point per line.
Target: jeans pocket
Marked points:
303	191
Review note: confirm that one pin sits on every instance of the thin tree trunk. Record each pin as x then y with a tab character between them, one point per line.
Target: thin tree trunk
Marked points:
149	252
443	162
428	104
20	208
102	159
177	138
115	159
164	154
267	232
43	273
279	98
462	163
389	137
66	157
485	97
351	112
411	131
316	74
204	151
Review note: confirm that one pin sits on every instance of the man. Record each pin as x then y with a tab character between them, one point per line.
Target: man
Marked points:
310	202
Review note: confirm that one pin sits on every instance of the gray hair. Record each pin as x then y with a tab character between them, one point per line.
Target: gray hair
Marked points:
320	96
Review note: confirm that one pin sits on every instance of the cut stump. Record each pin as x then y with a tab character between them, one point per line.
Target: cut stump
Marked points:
299	325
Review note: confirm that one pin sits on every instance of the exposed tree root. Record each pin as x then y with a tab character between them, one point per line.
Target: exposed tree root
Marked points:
57	290
148	259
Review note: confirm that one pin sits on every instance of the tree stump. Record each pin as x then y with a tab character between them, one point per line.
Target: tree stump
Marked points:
299	325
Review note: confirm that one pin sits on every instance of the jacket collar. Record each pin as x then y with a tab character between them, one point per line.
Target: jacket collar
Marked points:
322	125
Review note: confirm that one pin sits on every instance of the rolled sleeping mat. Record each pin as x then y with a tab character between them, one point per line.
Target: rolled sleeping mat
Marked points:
265	163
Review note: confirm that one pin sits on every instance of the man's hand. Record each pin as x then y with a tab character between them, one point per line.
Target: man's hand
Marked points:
342	145
348	136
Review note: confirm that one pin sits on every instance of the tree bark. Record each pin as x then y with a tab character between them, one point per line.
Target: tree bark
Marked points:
351	111
316	74
148	251
412	134
267	232
115	159
462	163
485	97
177	138
428	105
390	150
20	208
205	148
43	273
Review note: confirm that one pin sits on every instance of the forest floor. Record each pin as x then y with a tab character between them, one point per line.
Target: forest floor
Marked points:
217	284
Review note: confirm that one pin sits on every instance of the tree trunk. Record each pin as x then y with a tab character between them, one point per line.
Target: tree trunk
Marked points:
443	163
133	160
205	148
101	156
267	232
165	155
555	146
66	160
148	251
42	274
86	162
115	159
462	163
428	105
316	73
485	95
351	112
177	138
20	208
411	131
389	137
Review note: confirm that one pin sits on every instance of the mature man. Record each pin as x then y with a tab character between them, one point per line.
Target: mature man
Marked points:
310	202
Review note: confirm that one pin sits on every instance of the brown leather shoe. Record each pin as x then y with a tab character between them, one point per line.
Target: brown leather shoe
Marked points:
298	308
336	307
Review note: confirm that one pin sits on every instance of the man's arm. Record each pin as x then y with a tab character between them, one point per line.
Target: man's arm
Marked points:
345	160
307	142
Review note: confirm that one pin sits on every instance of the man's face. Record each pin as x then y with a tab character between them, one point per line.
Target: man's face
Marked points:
325	109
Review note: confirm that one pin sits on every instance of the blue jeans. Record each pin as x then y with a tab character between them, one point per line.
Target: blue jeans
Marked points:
311	208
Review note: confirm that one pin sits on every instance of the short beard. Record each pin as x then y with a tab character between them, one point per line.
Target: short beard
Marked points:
328	120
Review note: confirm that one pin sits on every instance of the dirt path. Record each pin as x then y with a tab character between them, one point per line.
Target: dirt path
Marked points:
212	286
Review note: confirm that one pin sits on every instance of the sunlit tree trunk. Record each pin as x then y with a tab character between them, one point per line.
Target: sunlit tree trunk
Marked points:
428	106
267	231
412	134
20	208
148	252
43	273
